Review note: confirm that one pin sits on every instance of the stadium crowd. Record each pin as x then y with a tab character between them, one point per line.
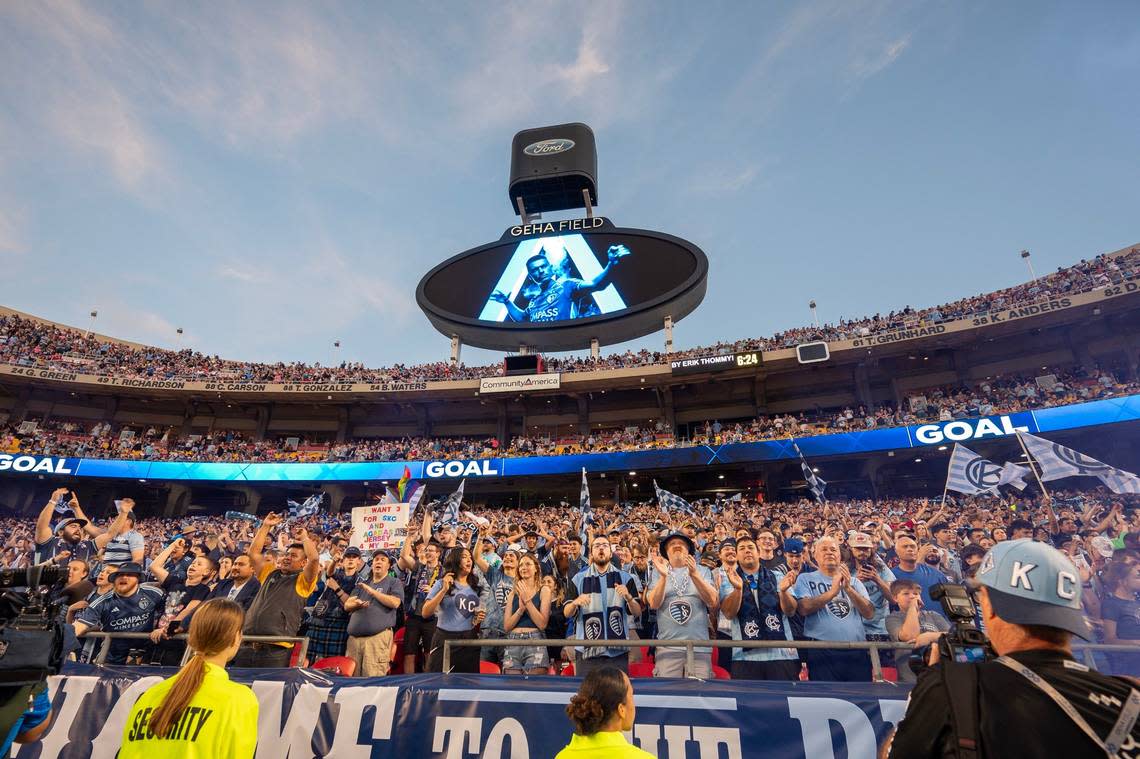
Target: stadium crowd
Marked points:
736	569
29	342
999	395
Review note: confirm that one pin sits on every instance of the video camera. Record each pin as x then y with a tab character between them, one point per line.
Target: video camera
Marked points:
31	637
965	643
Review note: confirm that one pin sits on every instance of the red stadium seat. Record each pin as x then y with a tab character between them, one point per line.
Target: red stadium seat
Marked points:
338	665
568	671
489	668
295	655
398	653
641	669
720	673
891	674
645	655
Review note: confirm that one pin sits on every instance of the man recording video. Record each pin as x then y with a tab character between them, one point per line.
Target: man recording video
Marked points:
1035	699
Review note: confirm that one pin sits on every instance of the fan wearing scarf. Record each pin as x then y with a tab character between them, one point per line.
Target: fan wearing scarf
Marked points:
600	600
682	593
759	603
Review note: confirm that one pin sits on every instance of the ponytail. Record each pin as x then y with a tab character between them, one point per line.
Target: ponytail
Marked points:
169	712
213	628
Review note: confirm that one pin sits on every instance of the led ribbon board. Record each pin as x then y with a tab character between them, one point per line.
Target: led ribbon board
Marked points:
559	285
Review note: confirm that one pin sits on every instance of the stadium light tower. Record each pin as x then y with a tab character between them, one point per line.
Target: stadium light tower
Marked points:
1028	263
814	315
91	328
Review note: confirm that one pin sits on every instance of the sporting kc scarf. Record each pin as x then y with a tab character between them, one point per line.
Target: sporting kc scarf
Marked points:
760	615
604	617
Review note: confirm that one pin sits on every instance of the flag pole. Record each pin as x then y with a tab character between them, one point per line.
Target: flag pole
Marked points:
948	465
1036	476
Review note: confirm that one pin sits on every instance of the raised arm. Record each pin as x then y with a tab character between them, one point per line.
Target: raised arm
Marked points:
312	557
480	562
407	558
157	567
613	255
90	527
43	521
117	527
256	550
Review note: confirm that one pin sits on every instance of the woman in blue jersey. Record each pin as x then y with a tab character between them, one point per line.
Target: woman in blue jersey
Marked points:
527	613
454	599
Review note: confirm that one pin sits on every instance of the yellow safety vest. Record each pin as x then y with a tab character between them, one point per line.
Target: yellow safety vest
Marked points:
220	721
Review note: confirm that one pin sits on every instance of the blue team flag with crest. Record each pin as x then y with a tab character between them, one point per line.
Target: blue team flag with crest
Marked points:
451	508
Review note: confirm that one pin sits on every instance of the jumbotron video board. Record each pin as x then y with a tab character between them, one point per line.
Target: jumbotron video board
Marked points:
558	285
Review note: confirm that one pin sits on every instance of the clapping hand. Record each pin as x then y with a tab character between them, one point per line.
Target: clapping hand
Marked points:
660	564
788	580
734	579
691	565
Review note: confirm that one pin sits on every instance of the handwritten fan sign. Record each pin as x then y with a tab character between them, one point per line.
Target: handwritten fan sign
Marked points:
379	527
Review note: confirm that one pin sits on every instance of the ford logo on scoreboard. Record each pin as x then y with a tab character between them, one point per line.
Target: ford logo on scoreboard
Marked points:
481	468
549	147
960	430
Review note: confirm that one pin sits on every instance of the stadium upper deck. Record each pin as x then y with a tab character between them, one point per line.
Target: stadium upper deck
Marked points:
1078	321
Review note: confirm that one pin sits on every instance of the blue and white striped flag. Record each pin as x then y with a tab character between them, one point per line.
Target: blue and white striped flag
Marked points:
451	508
816	484
1057	461
671	501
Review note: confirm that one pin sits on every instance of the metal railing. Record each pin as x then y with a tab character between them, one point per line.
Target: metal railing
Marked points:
871	646
105	648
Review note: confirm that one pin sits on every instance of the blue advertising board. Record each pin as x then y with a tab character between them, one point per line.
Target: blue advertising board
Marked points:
303	714
1108	411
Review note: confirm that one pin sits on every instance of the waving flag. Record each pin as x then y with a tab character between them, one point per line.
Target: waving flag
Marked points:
1057	461
672	501
451	508
817	485
402	485
971	474
307	508
584	501
415	493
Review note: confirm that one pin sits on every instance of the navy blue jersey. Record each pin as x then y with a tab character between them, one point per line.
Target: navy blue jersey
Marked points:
555	303
50	549
111	612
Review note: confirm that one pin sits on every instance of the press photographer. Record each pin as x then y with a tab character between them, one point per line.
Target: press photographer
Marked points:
1034	699
31	648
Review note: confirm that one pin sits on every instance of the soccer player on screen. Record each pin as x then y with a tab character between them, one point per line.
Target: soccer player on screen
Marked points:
557	295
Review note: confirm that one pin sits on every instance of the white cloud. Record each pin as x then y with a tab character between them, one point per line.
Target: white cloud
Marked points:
77	94
120	319
866	66
240	271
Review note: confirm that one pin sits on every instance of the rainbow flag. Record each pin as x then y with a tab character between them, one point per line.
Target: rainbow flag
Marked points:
402	485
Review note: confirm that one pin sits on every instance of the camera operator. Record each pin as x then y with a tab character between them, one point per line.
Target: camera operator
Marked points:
1035	700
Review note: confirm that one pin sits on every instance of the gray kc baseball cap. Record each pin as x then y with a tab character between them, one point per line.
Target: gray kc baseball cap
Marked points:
1031	583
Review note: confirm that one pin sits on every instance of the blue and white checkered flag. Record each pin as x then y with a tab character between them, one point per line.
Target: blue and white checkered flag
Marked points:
672	501
310	506
584	501
816	484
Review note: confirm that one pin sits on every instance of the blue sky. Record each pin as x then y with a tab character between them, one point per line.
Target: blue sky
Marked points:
272	176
